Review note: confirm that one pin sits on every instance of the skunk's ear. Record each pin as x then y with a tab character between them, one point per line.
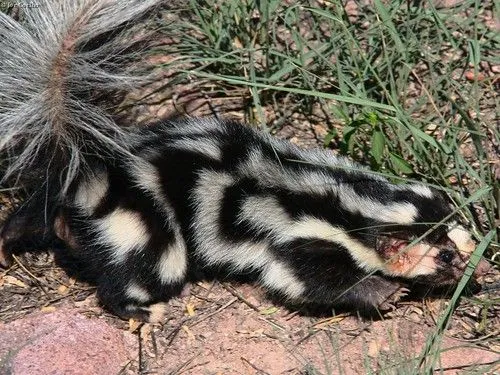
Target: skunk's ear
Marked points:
389	247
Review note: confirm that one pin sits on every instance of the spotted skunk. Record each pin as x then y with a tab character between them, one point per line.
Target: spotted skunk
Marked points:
141	207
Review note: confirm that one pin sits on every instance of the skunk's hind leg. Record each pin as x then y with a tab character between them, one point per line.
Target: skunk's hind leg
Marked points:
136	260
129	300
135	290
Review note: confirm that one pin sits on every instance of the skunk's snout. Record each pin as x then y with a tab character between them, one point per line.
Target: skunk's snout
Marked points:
460	261
482	268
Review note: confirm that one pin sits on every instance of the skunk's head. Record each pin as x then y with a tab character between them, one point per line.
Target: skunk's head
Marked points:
437	260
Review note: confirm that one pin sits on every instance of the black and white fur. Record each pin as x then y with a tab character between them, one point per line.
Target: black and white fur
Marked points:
143	207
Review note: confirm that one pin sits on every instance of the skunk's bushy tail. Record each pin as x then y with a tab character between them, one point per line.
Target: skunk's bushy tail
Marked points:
61	66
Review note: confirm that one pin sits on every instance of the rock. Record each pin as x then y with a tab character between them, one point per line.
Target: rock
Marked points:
61	342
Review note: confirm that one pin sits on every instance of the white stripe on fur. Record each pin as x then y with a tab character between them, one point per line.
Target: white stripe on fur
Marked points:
137	292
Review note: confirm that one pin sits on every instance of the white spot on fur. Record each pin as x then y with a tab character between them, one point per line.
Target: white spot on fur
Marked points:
124	231
173	263
462	239
137	293
419	259
279	277
91	191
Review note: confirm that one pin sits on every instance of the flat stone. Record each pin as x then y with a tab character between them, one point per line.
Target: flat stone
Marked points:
61	342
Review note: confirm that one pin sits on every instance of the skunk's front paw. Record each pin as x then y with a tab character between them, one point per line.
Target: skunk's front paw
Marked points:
390	297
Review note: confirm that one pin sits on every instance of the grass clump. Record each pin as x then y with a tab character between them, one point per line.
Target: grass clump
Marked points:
390	76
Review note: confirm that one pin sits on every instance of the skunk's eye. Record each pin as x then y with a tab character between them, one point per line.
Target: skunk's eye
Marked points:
446	255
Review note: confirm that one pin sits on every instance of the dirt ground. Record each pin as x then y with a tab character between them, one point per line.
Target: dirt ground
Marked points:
225	328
